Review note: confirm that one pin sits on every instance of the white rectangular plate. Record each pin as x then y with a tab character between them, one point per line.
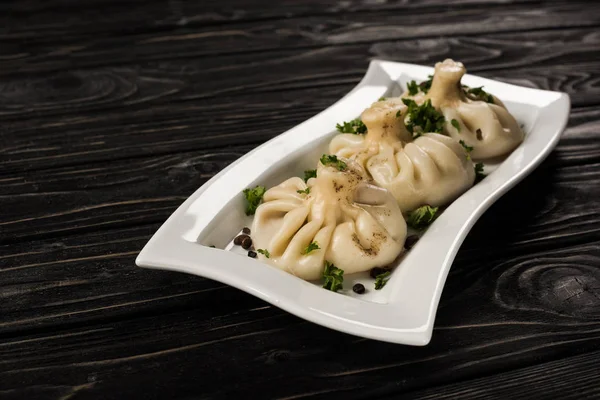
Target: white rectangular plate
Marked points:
404	310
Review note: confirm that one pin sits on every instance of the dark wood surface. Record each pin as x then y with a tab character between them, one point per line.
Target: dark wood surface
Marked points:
113	112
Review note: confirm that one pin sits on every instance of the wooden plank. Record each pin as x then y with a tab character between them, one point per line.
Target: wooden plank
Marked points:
79	50
568	378
45	215
180	106
141	190
77	199
31	18
139	85
106	327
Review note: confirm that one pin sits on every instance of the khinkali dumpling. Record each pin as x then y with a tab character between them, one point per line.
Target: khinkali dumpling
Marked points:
385	129
483	121
433	169
356	225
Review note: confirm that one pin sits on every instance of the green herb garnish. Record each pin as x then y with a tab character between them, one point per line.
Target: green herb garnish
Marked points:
479	175
253	198
305	191
426	85
413	88
264	252
467	148
312	246
328	159
382	279
480	94
455	124
422	217
333	276
422	118
381	99
310	173
355	126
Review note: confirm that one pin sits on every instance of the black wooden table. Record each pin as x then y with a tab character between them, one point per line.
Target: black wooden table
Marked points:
112	112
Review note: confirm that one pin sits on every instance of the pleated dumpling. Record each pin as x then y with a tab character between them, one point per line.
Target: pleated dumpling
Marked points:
480	119
434	169
336	217
385	132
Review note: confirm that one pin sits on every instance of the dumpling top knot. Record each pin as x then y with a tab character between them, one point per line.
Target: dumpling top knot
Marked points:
446	87
384	123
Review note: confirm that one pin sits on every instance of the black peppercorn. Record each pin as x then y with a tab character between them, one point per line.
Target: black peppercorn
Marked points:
358	288
377	271
246	230
411	241
252	254
246	242
239	239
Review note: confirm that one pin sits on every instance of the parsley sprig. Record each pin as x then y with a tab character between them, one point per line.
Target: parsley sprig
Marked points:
426	85
413	88
333	276
422	118
355	126
467	148
253	198
479	94
479	175
311	247
455	124
422	217
382	279
331	159
264	252
310	173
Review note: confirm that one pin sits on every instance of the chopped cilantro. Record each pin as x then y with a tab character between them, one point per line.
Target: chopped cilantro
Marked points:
455	124
381	99
422	118
253	198
312	246
333	276
479	175
480	94
264	252
355	126
310	173
305	191
332	160
413	88
382	279
422	217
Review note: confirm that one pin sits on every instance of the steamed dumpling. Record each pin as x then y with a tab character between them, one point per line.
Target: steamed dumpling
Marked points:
385	128
356	225
488	127
433	169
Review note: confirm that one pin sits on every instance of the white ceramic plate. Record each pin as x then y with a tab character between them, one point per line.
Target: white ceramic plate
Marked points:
404	310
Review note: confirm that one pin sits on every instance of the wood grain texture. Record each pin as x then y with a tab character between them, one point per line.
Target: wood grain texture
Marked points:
51	50
113	112
179	105
142	190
